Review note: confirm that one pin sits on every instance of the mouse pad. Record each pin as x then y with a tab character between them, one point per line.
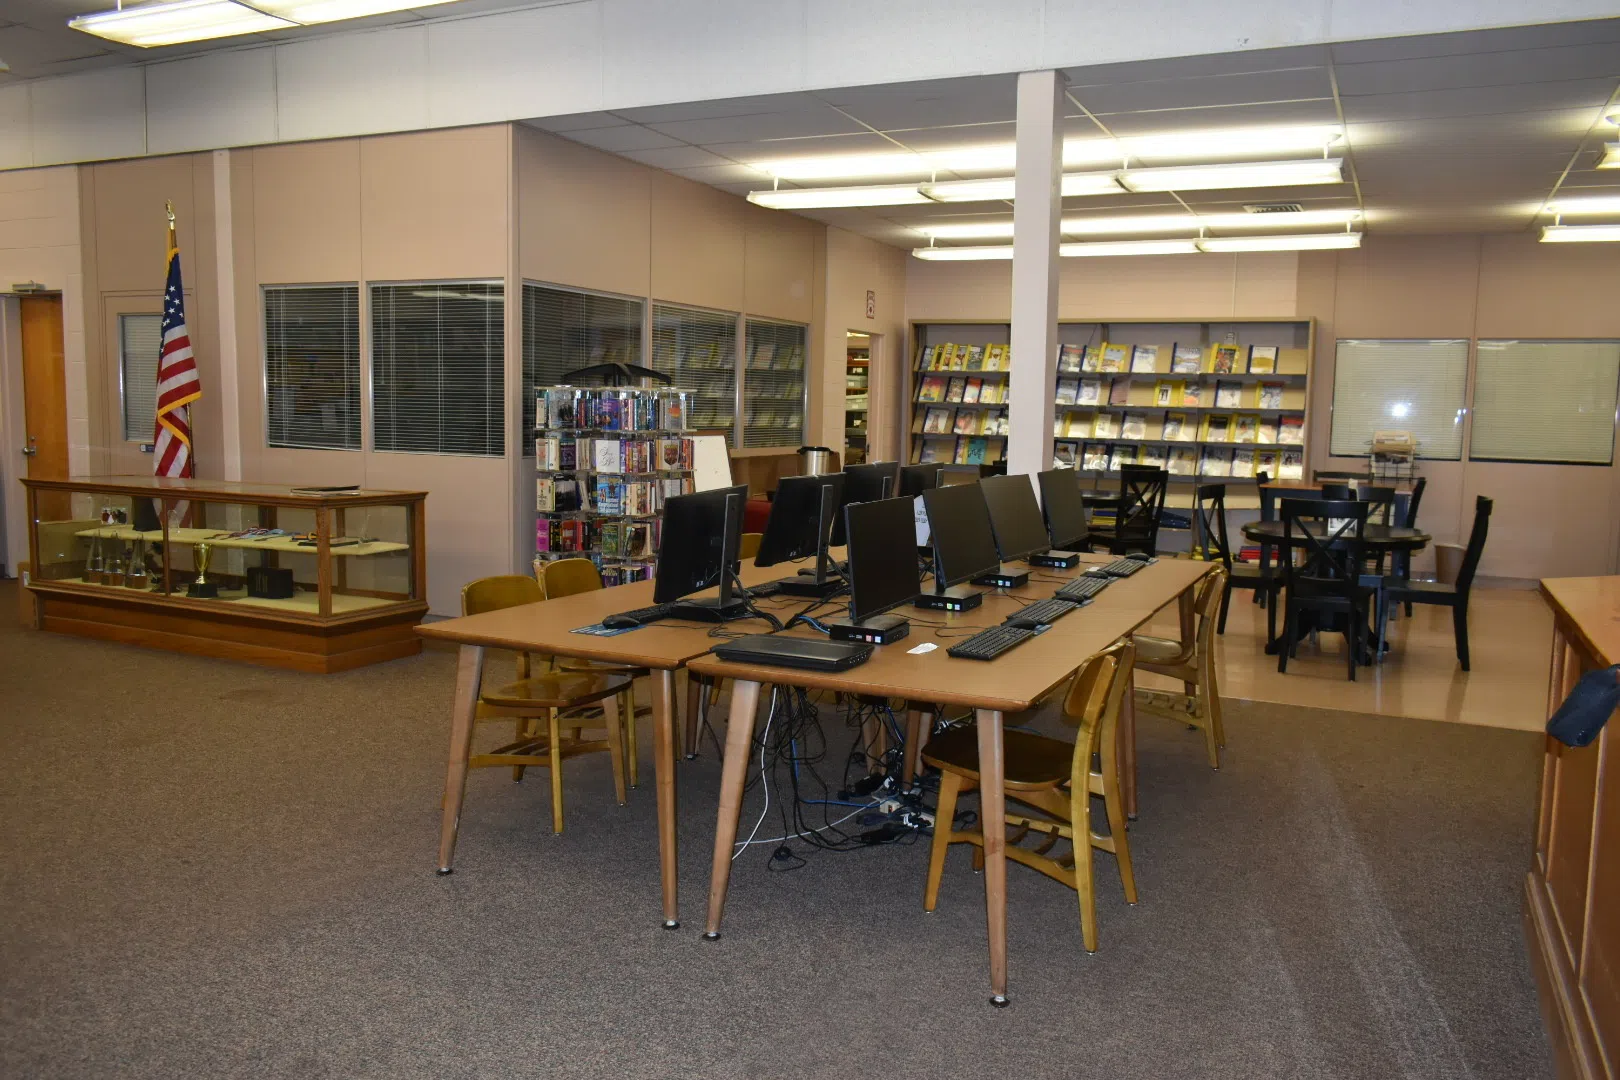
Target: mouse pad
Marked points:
599	630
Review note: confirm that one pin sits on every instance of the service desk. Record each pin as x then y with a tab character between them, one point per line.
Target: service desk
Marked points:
1572	894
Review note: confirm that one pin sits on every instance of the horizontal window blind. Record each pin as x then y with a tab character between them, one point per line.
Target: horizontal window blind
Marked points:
698	349
565	329
773	383
1393	385
140	339
312	366
1548	401
438	368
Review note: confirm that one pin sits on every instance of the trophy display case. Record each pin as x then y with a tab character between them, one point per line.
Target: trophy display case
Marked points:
310	578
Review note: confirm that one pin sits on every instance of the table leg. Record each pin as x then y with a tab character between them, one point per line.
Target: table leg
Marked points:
993	812
733	773
469	673
663	704
918	723
1127	748
696	695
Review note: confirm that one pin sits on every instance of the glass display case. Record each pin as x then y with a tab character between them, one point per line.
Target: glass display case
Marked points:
312	578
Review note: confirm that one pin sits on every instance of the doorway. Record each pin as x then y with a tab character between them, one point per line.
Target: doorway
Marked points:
45	413
860	349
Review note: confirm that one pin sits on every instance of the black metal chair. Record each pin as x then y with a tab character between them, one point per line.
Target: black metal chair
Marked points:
1210	543
1137	509
1382	500
1401	565
1402	590
1334	492
1319	475
1322	574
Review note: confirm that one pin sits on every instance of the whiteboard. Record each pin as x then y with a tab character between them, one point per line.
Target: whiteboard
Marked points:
711	463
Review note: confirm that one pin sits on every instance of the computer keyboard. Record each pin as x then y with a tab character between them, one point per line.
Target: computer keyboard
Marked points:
1044	611
638	617
989	644
1082	589
1122	567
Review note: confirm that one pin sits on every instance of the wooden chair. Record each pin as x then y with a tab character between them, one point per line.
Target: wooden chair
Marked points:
1210	542
749	545
1137	509
566	577
1403	590
1323	574
534	697
1054	777
1193	663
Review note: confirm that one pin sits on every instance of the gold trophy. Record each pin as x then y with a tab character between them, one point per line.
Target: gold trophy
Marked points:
202	588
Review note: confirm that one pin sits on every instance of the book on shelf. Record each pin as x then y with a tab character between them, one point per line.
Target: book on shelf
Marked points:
1155	455
1114	358
977	447
548	453
1265	431
1106	426
1183	461
967	422
996	425
955	389
1245	428
1090	392
1215	461
1145	358
1091	359
545	494
1119	392
1292	465
1187	359
1243	461
1124	454
1192	395
1217	428
1167	394
958	358
1262	359
1079	425
1267	461
1177	428
1268	395
1069	358
1134	426
938	420
1063	454
971	392
1291	431
932	388
1229	395
1068	391
975	358
935	450
1223	359
1095	457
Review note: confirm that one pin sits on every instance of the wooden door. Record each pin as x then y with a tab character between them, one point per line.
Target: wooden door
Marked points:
45	398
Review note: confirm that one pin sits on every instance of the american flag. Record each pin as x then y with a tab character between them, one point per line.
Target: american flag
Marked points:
177	384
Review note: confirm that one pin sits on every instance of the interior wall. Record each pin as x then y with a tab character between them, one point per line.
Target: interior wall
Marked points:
856	266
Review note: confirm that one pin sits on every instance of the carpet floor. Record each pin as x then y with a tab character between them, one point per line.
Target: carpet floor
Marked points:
213	870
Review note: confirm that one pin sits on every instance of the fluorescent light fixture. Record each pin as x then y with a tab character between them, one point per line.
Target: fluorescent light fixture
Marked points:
963	254
177	21
1312	242
1201	145
1130	247
1149	223
1579	234
307	12
1002	190
816	198
1590	204
1611	157
999	158
1244	174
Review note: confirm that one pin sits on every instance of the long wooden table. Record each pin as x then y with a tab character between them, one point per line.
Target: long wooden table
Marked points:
1014	682
545	628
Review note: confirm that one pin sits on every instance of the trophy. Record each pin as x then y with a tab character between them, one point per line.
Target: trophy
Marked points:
202	588
135	576
93	567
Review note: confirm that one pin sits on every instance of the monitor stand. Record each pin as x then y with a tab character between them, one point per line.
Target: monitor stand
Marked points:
956	598
712	609
808	586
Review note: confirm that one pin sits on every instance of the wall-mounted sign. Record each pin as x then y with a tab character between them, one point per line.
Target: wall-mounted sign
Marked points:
871	304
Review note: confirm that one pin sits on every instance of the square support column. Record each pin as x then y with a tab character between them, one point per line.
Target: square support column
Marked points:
1037	212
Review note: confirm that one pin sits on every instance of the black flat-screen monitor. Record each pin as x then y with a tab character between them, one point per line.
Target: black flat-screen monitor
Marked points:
1065	509
883	570
959	529
865	483
697	548
801	520
1015	516
916	479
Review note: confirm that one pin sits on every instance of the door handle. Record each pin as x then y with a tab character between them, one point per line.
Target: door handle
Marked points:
30	450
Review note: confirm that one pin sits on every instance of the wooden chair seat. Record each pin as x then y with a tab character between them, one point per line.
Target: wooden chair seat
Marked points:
1031	760
557	690
1158	651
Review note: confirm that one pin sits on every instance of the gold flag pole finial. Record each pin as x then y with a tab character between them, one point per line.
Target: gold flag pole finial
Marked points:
168	205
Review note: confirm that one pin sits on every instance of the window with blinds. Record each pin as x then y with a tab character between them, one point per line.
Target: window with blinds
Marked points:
773	383
1545	401
698	349
565	329
312	366
1390	385
438	378
140	339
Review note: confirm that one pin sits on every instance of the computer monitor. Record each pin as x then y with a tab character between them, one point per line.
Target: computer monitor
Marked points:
697	549
1065	509
916	479
882	573
959	529
865	483
800	524
1015	516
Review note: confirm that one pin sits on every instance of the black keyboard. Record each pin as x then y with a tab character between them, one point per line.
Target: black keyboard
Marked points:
1044	611
639	617
989	644
1123	567
1082	589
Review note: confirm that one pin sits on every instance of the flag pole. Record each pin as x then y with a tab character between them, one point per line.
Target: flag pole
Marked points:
168	205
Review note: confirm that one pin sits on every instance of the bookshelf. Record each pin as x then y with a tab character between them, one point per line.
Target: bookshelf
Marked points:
606	458
857	394
959	384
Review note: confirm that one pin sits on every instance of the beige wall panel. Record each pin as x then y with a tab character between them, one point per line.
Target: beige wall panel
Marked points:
699	244
130	223
941	291
468	517
585	217
1149	287
306	212
1409	286
779	255
1531	289
855	265
433	204
1265	283
1548	520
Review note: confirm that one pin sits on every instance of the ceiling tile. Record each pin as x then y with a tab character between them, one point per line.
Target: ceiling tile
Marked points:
1320	111
760	126
675	157
763	150
947	138
1243	89
708	110
1193	66
1570	94
1491	69
1508	133
623	139
1478	41
576	121
719	175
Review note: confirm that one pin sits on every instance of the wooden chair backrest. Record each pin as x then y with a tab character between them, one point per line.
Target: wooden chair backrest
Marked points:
565	577
500	591
1093	703
1207	606
748	546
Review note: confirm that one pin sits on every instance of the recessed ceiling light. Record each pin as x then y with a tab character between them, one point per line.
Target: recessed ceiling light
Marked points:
963	254
310	12
1097	224
1074	184
1586	204
1611	157
178	21
815	198
1130	247
1281	243
1235	175
1579	234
